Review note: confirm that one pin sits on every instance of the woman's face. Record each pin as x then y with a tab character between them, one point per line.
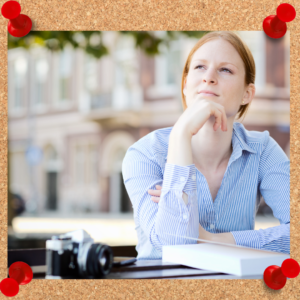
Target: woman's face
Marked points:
217	67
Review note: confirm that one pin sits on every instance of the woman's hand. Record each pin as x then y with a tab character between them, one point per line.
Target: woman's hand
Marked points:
198	112
204	235
155	194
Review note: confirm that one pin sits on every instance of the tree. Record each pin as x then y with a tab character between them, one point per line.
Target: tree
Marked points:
92	43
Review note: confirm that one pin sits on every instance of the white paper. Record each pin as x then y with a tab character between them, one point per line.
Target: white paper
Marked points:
226	258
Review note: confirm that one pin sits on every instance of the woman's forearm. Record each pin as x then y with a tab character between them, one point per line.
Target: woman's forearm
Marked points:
180	148
226	238
180	153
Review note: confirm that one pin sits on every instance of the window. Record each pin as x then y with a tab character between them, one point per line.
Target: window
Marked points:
17	82
41	76
168	71
65	69
127	92
91	83
167	65
85	172
256	42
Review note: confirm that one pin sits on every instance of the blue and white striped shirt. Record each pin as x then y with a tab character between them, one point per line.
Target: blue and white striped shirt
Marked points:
257	166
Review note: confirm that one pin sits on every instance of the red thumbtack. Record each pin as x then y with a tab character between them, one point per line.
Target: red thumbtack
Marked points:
9	287
275	277
20	273
290	268
275	25
18	25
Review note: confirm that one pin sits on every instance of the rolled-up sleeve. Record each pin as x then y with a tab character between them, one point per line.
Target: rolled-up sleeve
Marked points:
274	186
171	220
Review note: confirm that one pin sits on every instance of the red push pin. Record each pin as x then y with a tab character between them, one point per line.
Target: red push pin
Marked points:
21	272
275	25
9	287
290	268
18	25
275	277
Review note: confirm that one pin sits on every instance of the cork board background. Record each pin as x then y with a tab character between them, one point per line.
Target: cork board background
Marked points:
135	15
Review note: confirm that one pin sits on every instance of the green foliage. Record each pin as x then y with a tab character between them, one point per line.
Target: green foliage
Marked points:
91	42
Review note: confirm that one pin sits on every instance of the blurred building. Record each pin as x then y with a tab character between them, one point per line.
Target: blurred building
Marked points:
85	113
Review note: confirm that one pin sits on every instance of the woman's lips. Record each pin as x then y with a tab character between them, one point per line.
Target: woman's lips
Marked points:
208	94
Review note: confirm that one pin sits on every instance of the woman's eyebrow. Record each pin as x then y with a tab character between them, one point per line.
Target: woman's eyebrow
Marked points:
222	63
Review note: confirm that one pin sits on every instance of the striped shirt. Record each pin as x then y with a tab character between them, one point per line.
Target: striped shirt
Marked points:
257	167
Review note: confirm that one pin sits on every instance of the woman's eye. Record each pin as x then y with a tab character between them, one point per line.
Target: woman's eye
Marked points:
226	69
221	69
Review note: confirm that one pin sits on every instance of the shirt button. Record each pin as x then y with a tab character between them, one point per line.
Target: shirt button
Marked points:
185	216
182	178
194	177
212	226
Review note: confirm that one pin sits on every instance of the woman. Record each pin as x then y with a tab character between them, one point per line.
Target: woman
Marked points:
211	169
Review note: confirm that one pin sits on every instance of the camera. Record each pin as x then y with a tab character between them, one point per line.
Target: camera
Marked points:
74	255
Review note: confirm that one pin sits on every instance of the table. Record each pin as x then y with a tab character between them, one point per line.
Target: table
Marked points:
142	269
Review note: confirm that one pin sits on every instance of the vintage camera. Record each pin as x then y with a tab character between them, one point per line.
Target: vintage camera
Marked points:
74	255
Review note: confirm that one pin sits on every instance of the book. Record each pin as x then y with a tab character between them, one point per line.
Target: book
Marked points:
230	259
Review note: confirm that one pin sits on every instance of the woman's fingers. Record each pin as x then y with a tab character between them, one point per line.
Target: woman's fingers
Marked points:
218	119
155	193
218	111
155	199
223	118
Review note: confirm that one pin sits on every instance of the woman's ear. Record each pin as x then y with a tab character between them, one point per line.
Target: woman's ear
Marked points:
249	93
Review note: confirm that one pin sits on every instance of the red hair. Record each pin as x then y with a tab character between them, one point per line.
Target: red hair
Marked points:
241	48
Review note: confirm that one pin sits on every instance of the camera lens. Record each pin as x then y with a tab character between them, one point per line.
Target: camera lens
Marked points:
99	260
103	261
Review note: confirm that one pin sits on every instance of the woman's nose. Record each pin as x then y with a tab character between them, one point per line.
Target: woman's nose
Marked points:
209	77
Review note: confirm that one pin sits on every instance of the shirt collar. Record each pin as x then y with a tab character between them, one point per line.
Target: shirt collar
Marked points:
238	137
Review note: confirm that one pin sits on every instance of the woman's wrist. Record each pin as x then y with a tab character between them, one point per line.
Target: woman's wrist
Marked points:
180	131
204	235
226	238
180	148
